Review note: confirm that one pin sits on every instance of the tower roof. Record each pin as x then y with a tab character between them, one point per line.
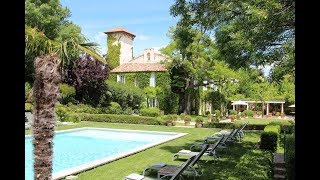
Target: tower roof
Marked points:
119	29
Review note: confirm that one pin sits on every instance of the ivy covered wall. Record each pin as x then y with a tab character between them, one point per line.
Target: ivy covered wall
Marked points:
168	101
113	55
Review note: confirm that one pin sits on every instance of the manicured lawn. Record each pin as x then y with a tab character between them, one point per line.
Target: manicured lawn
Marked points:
163	153
263	121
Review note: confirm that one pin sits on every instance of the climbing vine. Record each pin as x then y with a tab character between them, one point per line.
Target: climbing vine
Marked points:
113	55
167	100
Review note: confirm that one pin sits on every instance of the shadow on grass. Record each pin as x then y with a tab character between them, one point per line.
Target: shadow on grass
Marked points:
175	149
225	165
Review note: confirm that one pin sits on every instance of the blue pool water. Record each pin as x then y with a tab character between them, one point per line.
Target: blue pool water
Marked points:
76	147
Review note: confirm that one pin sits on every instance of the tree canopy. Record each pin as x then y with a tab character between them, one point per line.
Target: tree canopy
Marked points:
246	32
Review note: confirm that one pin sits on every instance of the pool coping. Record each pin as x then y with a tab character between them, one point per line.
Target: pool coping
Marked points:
93	164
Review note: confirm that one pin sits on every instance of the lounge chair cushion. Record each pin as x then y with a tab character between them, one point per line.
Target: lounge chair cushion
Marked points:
159	164
184	151
134	176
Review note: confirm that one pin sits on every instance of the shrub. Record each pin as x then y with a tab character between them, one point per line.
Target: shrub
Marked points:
232	112
273	128
136	111
126	95
114	118
199	119
182	116
128	111
76	117
187	118
82	108
62	112
219	125
67	93
89	77
174	117
152	112
114	108
255	165
269	141
248	113
288	128
27	89
218	113
215	119
28	107
290	156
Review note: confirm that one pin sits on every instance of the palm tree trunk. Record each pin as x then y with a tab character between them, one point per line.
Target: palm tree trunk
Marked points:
45	93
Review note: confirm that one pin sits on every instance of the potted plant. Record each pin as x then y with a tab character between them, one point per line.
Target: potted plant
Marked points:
169	121
259	113
187	120
174	117
232	117
278	115
182	116
209	117
199	122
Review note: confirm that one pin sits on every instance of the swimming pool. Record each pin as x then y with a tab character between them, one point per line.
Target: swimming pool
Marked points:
80	149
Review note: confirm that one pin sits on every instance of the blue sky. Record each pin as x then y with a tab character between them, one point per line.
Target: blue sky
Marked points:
149	20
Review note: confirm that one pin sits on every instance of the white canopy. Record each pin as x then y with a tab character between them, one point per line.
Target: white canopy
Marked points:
293	105
239	103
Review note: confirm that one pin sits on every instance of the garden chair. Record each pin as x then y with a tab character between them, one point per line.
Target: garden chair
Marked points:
172	172
223	143
210	152
158	166
240	134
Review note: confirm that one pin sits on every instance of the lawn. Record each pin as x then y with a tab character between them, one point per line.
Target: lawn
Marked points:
264	121
163	153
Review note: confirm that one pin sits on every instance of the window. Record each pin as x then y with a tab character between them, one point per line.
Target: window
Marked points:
152	80
148	56
154	102
132	52
121	78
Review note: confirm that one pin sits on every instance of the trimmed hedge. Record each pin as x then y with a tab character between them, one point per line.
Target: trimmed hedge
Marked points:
255	165
269	141
113	118
289	128
152	112
290	156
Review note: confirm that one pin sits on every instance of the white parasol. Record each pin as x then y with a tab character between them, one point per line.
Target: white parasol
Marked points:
239	103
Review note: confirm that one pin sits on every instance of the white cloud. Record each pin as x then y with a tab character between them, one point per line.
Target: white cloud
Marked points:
156	49
143	37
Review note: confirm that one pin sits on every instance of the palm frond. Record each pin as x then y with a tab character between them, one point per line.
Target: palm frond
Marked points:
37	42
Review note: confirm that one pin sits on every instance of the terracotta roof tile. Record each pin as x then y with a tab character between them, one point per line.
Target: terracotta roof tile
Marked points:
119	29
139	67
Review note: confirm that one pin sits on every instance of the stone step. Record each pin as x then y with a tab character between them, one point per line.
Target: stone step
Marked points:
279	171
280	165
279	177
278	158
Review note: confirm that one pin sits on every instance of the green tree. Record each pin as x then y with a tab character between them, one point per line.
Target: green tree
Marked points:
48	53
246	32
49	17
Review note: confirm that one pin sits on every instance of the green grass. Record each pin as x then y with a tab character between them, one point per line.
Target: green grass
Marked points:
163	153
263	121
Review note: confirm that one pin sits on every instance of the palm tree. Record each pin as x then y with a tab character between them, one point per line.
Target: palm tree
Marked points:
45	93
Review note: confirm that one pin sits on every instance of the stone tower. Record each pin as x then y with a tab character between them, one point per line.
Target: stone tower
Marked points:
125	38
